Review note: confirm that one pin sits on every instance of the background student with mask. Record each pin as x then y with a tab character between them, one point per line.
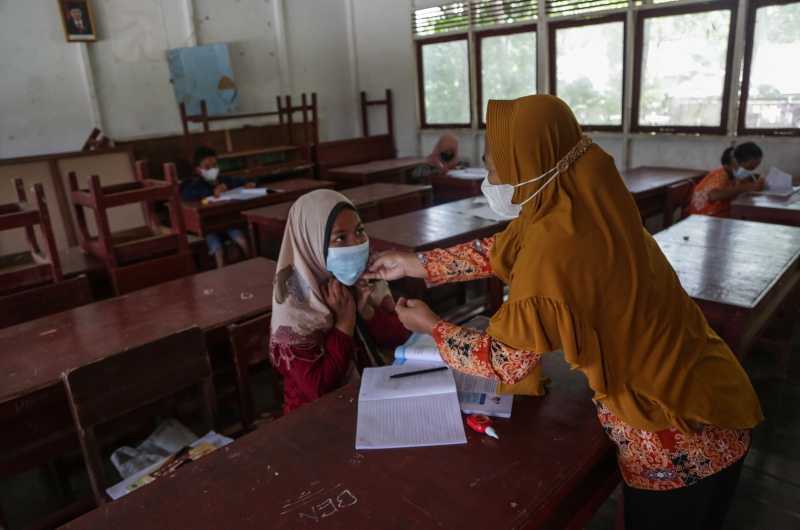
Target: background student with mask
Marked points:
713	194
205	182
326	321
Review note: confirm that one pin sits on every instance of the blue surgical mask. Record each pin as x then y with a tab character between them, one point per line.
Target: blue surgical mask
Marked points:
742	173
348	263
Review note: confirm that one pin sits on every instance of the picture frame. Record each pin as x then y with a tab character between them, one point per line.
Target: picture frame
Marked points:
77	18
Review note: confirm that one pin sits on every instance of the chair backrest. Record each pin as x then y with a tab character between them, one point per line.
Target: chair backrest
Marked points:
677	198
44	265
44	300
130	380
250	345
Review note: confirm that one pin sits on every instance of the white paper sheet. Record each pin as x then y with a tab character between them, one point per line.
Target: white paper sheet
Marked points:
239	194
469	173
417	411
778	180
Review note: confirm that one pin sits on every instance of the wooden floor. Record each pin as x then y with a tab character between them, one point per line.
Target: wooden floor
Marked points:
768	497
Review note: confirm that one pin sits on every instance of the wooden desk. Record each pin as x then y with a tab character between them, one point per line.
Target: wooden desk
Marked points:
767	209
391	170
648	185
202	219
552	467
447	188
740	273
373	201
437	227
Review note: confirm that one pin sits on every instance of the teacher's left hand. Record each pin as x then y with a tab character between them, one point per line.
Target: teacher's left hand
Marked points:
416	316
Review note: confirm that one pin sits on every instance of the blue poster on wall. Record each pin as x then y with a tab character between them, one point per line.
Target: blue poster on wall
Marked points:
203	73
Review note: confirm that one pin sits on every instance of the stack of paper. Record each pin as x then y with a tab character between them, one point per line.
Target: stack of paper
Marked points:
476	395
416	411
779	183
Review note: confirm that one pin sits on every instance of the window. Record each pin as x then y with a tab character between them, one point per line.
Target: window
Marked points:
771	80
587	63
507	65
682	69
444	82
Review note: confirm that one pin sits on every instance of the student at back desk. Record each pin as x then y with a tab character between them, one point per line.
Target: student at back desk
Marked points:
713	194
206	182
325	321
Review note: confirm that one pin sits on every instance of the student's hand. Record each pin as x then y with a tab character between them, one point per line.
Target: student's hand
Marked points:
416	316
250	185
219	189
395	265
341	303
759	184
363	291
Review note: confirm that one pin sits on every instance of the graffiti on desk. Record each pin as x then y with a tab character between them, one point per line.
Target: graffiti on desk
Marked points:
317	503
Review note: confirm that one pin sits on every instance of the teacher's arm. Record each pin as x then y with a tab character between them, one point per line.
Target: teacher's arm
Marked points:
461	263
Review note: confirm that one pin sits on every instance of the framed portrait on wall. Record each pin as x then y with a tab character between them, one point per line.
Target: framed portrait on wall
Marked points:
78	20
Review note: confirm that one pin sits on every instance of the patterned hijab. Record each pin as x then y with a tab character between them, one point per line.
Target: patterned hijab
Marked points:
300	316
587	279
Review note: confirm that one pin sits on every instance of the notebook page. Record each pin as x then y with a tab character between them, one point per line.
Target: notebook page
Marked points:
376	383
410	422
778	180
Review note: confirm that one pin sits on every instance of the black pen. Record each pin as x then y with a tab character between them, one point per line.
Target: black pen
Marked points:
418	372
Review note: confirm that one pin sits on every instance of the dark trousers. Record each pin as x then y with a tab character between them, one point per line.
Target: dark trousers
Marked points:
701	506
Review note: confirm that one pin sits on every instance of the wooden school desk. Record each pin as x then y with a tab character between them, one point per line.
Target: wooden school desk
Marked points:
447	188
392	170
649	185
33	355
373	201
551	469
767	209
202	219
437	227
739	272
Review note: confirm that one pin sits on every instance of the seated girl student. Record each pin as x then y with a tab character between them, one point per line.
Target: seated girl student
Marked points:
206	182
713	194
326	321
587	279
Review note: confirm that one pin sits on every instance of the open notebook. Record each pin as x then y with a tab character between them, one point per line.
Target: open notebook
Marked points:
778	183
239	194
414	411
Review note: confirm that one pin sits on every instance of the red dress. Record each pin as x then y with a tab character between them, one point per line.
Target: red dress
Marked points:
318	365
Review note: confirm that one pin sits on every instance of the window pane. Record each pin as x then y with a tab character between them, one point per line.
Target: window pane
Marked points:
508	67
589	71
683	69
445	70
774	98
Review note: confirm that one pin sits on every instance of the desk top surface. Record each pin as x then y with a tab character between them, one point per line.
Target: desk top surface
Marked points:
303	471
379	166
641	180
360	196
34	354
755	200
280	191
729	261
445	224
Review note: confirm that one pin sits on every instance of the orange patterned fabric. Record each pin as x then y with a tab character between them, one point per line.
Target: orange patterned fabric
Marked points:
461	263
701	204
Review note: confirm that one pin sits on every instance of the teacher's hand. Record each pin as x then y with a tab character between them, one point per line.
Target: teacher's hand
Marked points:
416	316
395	265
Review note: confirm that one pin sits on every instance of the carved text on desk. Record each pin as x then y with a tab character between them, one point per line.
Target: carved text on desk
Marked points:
320	503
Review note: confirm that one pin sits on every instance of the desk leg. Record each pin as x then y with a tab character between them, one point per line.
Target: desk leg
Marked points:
494	298
255	238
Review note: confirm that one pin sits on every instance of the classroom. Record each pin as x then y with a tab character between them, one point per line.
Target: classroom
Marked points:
409	264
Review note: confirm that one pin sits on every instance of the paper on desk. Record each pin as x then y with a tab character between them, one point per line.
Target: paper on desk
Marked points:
239	194
417	411
469	173
778	183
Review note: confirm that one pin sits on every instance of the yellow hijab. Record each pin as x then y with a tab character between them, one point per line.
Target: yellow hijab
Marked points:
586	278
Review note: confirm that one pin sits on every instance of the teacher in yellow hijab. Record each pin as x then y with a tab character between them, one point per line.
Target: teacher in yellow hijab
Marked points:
586	278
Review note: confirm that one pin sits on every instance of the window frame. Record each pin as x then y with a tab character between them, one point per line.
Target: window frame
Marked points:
749	45
498	32
687	9
553	27
421	81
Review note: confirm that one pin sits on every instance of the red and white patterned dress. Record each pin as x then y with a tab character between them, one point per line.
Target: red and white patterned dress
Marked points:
662	460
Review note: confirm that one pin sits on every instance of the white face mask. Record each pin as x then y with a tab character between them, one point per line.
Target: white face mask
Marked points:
500	196
742	173
210	174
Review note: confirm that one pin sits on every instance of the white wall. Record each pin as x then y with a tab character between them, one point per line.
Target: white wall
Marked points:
43	103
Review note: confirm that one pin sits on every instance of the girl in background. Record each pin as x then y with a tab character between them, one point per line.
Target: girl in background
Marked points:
713	194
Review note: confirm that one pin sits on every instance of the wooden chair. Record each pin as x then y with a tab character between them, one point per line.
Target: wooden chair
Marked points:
250	346
135	379
38	302
40	265
678	197
140	257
